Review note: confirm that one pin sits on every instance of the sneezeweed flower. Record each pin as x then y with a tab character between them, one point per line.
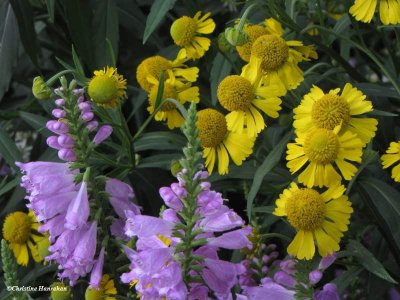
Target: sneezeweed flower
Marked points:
153	66
389	11
319	218
253	32
40	89
220	143
107	87
319	150
20	231
60	291
278	59
186	33
320	110
392	156
106	290
173	89
244	96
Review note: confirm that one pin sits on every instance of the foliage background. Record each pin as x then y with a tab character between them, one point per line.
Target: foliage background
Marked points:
38	38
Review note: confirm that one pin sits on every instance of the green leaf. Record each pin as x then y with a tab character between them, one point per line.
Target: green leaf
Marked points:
50	9
382	113
269	163
8	149
160	140
105	24
382	201
264	209
9	186
377	90
346	278
368	260
157	14
221	68
340	27
162	161
9	51
23	12
36	122
160	91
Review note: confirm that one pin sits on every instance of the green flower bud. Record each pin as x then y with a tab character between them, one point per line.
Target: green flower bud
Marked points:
60	291
236	37
40	89
223	43
176	167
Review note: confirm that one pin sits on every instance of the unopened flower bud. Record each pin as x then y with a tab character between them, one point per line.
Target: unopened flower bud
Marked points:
66	154
60	291
87	116
58	113
52	141
65	141
103	133
57	126
92	125
236	37
285	279
315	276
223	43
84	106
40	89
59	102
327	261
175	167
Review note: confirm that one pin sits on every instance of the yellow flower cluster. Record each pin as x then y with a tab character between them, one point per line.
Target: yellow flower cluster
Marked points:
389	11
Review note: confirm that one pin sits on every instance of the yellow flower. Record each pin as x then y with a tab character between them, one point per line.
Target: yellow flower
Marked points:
153	66
278	59
392	156
317	217
106	290
389	11
173	89
220	143
60	291
253	32
244	96
20	230
186	31
320	149
107	87
320	110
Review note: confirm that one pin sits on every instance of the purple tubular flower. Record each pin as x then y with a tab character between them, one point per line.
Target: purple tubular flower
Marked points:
236	239
120	194
285	279
57	126
117	229
97	271
327	261
52	141
328	292
289	266
224	219
78	210
92	125
84	106
146	226
209	202
170	216
170	198
271	291
103	133
65	141
66	154
315	276
59	102
58	113
220	275
87	116
54	227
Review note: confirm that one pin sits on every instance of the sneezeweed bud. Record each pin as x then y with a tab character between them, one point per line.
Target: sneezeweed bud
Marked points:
223	43
43	248
235	36
176	167
40	89
60	291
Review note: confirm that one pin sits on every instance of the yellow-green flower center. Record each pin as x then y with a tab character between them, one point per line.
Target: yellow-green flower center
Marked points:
212	127
152	66
183	31
235	93
254	32
17	228
60	291
321	146
169	92
103	88
272	50
305	209
330	111
94	294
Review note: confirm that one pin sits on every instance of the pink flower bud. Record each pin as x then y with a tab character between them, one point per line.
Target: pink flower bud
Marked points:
285	279
87	116
57	126
66	154
59	102
58	113
65	141
53	143
84	106
103	133
327	261
315	276
92	125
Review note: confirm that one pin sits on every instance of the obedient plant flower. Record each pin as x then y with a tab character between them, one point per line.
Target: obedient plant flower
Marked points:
102	134
183	244
186	33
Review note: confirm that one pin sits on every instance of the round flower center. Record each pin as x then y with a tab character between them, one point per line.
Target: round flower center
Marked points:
329	111
212	127
321	146
169	92
152	66
254	32
183	30
60	291
272	50
94	294
17	228
235	93
103	89
305	209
